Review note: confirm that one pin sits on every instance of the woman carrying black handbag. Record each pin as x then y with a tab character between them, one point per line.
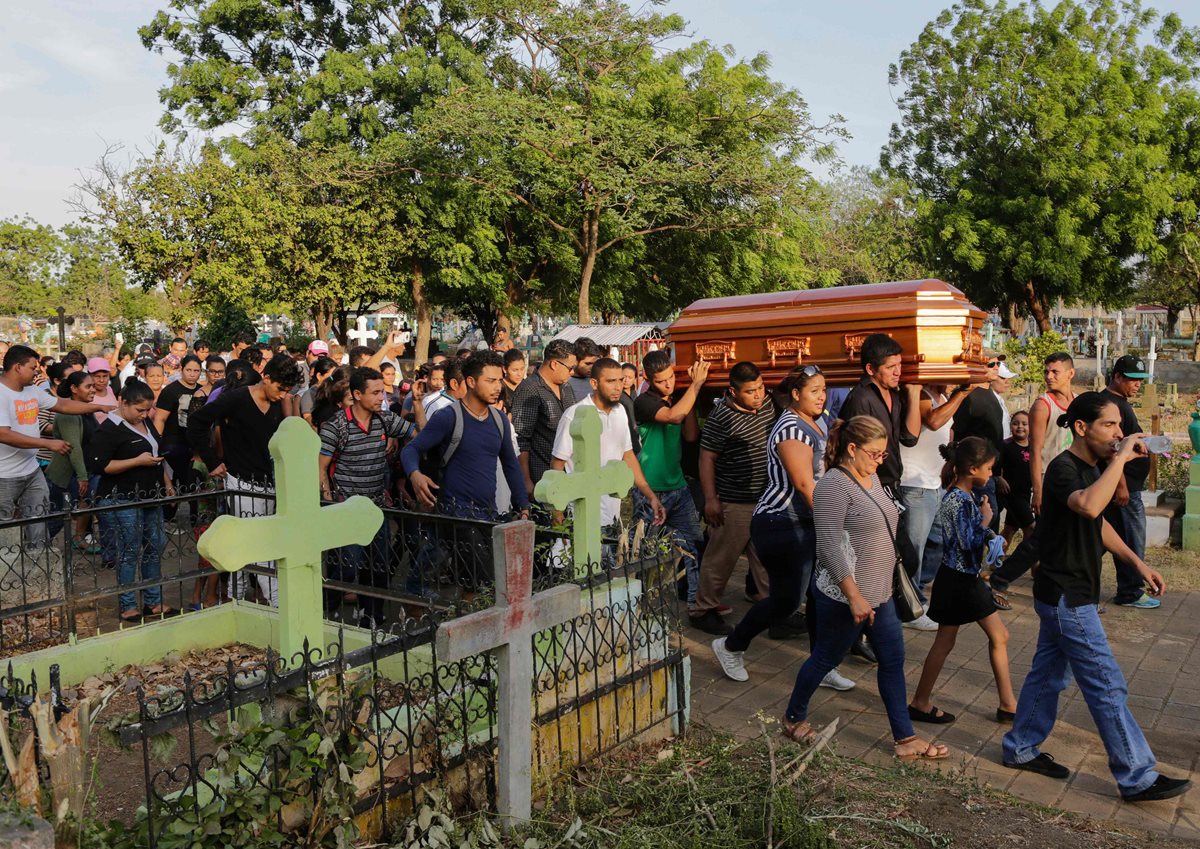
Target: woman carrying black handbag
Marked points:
855	523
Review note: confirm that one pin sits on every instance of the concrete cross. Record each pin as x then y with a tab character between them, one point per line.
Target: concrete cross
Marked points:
585	487
294	537
360	335
508	627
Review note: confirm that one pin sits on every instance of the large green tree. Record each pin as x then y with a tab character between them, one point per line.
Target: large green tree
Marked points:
606	137
1035	139
164	214
31	256
330	75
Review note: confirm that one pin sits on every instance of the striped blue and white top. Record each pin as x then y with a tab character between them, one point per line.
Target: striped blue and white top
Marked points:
780	496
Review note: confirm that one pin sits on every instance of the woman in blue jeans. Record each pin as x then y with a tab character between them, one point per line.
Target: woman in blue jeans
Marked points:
126	451
855	522
782	525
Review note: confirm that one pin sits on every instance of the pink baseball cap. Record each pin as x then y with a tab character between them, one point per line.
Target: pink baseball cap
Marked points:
96	364
316	346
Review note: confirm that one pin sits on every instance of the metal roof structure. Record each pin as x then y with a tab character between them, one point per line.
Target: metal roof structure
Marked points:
609	335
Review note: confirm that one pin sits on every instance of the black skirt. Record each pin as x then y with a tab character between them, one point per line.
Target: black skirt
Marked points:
959	598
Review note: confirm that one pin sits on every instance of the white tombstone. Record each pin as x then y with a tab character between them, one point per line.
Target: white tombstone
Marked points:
361	335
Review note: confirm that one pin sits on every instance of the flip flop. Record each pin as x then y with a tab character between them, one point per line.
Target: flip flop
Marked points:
135	617
163	610
940	751
1001	600
935	716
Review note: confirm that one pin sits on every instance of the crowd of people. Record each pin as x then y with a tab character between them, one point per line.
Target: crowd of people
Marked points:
834	496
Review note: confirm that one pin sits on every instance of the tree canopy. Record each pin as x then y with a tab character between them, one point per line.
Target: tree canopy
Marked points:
1037	143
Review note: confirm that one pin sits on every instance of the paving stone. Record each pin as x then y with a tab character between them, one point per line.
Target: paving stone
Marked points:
1160	655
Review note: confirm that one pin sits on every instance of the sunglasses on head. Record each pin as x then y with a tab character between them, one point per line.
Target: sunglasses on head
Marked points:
810	371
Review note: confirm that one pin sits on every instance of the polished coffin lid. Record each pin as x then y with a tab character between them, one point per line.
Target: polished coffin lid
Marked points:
939	329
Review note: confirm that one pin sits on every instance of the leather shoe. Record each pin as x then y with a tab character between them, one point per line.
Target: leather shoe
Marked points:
862	648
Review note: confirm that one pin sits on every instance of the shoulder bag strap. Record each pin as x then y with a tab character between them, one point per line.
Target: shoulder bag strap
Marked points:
886	523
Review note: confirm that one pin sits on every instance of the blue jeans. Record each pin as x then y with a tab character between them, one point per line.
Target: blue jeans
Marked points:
836	633
916	523
107	527
787	548
1072	640
683	522
1130	524
140	541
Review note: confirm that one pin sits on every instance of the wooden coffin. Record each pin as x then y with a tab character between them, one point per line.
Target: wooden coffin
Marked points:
939	329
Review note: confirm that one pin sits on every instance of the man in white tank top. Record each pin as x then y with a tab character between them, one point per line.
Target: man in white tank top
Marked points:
1046	441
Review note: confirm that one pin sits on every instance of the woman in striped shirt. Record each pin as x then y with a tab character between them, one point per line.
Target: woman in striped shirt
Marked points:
782	525
855	522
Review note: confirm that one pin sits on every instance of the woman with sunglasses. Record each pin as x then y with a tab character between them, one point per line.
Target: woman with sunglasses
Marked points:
782	525
855	522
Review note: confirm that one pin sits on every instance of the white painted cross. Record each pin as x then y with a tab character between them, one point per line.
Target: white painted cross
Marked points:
508	627
360	335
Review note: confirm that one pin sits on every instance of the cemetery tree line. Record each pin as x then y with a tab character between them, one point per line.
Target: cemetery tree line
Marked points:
489	157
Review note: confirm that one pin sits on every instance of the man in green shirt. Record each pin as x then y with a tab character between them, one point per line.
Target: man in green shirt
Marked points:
663	426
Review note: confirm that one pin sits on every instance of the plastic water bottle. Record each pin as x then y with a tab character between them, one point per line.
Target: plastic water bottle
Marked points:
1157	444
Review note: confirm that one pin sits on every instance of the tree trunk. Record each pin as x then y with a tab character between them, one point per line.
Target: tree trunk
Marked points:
585	284
341	327
591	241
1036	307
1172	321
424	317
322	321
1012	318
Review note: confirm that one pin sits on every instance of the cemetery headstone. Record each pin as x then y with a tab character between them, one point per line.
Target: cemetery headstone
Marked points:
508	628
295	536
361	335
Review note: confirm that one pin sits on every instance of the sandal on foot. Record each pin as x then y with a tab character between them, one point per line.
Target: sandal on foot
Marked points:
131	616
1001	600
163	611
931	752
1003	715
934	715
798	732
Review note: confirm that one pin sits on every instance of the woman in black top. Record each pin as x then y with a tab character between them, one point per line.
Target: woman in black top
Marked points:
171	420
126	451
247	418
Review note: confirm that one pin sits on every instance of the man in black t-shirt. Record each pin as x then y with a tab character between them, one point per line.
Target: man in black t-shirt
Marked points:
1066	592
1127	513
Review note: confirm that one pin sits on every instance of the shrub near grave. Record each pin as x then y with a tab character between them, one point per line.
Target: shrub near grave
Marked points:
283	781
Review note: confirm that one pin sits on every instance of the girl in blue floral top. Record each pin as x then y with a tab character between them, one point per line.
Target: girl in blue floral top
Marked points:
960	595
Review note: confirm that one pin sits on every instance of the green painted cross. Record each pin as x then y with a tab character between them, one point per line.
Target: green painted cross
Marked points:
585	487
294	537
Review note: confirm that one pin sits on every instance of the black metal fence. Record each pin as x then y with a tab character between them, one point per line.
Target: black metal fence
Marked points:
268	745
98	572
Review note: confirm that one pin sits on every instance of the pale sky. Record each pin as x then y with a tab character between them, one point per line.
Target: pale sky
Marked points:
74	77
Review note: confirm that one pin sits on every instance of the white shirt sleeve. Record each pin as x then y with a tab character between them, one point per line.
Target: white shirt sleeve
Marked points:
626	436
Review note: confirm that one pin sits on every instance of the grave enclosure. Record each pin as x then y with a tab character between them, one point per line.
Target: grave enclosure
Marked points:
589	655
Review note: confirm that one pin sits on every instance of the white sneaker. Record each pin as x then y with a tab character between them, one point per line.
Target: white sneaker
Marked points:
835	680
731	661
922	623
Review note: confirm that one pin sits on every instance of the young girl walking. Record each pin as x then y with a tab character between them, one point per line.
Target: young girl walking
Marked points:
960	595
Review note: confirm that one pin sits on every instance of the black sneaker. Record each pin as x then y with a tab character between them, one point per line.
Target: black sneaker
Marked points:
1045	765
711	622
1162	788
862	648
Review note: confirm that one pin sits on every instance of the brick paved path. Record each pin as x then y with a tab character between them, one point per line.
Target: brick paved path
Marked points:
1158	650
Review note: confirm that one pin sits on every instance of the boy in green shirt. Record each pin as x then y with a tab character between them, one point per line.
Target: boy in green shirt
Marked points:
663	426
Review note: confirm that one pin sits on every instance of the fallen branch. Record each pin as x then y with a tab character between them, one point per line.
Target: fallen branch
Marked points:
770	824
821	741
698	803
916	830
